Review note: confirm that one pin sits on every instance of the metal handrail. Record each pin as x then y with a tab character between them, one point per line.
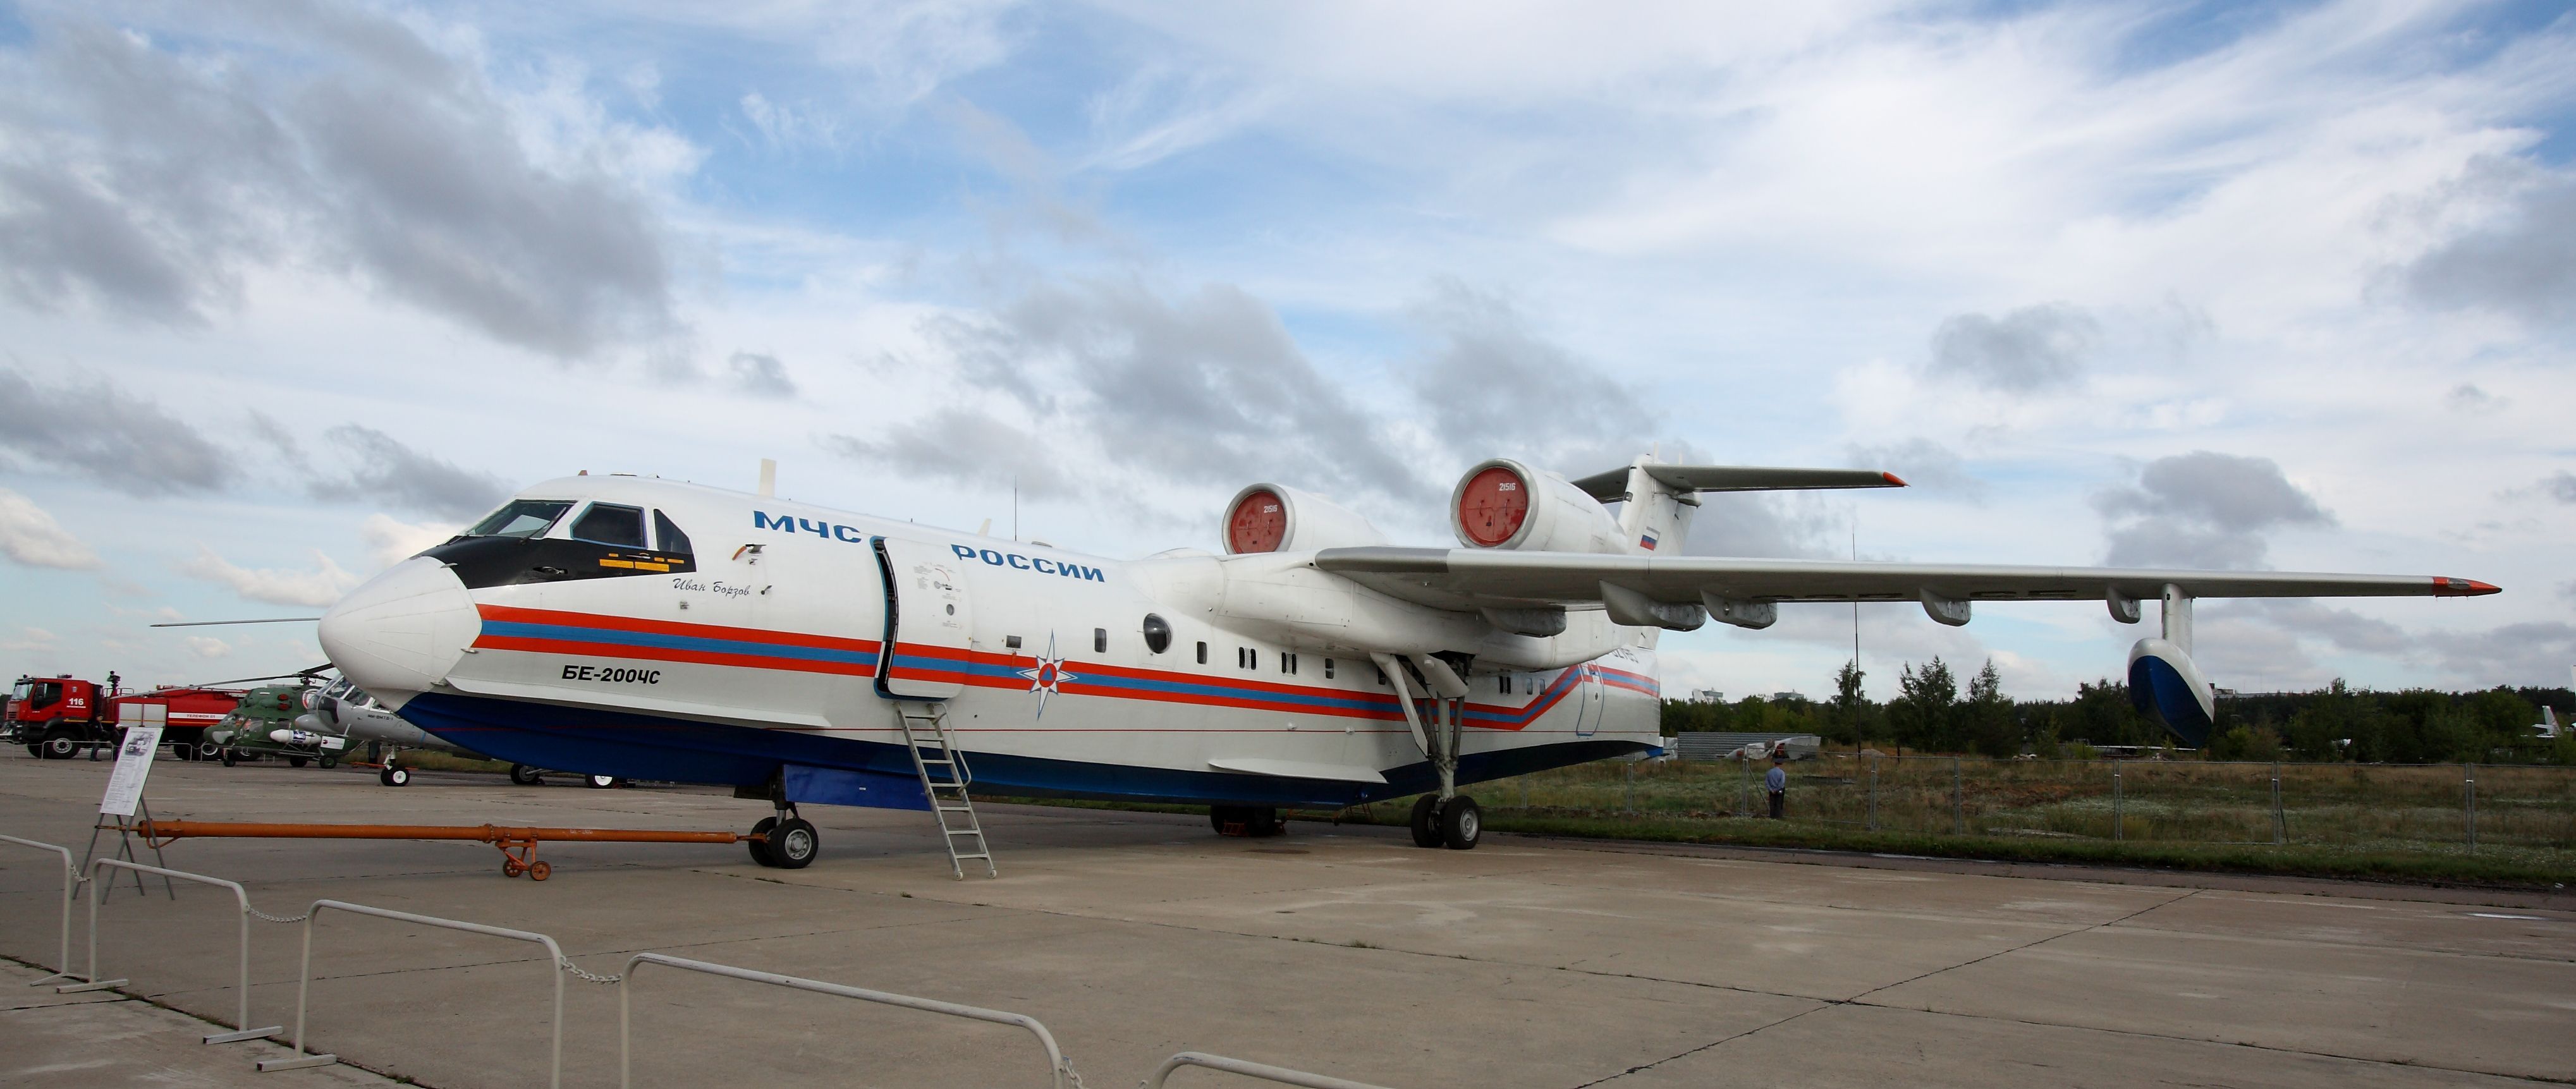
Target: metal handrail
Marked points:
1058	1067
71	881
241	984
304	977
1264	1071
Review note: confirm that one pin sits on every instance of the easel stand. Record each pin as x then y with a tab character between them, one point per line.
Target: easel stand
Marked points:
126	829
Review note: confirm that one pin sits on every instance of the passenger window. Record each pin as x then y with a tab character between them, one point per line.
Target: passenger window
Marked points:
1328	669
610	524
1158	634
672	540
1507	683
1202	652
1011	641
521	518
1100	640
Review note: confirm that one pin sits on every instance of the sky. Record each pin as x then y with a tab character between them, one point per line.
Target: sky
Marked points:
292	289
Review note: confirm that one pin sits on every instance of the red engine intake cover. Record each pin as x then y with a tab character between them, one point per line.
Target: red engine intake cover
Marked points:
1256	524
1493	505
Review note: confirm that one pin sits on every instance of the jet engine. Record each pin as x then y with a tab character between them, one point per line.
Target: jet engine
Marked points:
1273	518
1502	503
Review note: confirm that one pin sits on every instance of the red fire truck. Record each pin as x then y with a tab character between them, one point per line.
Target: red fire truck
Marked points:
57	717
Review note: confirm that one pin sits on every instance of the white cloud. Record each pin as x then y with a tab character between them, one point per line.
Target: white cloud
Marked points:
208	647
32	639
32	537
390	541
317	588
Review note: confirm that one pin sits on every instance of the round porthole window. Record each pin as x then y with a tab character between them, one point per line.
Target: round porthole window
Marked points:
1158	634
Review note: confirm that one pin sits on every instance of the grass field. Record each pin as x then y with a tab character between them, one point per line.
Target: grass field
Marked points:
2325	819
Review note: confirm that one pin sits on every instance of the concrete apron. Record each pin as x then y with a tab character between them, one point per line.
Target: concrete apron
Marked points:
1344	951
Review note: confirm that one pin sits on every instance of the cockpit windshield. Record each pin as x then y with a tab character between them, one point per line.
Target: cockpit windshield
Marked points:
18	694
521	518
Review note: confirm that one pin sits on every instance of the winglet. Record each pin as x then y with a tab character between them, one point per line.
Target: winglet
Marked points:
1892	478
2451	587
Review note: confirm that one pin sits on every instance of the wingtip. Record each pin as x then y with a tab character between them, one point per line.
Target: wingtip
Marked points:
2451	587
1894	480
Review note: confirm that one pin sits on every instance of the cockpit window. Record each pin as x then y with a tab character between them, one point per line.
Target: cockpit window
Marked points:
521	518
673	541
610	524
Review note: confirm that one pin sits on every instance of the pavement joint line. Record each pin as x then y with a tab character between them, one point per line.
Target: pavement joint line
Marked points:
2027	945
2275	1048
1820	1005
2570	958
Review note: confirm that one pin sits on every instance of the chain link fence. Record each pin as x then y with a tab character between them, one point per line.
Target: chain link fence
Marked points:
2359	806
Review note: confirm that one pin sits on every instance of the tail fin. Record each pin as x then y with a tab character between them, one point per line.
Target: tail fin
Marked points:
1660	497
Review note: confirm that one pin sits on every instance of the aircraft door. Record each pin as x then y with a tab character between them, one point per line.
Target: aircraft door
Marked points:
1587	703
929	621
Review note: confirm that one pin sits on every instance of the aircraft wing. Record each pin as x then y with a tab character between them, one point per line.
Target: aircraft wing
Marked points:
1471	579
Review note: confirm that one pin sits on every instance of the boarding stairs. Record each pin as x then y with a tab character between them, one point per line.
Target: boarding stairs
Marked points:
944	779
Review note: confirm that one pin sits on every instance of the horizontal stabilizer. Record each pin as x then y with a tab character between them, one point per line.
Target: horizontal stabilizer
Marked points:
1612	486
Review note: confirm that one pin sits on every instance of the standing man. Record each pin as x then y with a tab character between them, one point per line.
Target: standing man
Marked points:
1777	782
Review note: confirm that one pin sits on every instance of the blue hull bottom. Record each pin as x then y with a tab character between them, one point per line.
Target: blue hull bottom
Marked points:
637	746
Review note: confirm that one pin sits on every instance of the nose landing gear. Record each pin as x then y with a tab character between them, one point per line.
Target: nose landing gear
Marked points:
787	841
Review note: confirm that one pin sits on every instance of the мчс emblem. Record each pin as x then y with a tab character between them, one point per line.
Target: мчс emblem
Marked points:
1047	674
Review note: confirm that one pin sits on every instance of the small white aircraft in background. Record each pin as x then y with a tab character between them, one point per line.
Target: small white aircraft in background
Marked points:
347	711
639	627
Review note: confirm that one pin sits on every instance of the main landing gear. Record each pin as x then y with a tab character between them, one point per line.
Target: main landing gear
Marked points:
787	843
1254	821
1457	825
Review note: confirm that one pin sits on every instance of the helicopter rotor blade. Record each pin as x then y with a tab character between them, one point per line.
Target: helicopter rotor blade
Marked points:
212	623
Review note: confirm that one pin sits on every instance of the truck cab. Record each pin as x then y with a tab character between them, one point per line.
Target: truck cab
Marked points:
56	717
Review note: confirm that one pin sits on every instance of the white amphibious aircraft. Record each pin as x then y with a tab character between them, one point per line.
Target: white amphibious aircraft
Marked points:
639	627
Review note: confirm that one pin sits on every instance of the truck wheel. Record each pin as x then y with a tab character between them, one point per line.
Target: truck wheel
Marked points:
37	751
295	761
329	761
526	776
61	747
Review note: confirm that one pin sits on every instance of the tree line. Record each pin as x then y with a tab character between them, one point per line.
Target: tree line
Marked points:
1933	712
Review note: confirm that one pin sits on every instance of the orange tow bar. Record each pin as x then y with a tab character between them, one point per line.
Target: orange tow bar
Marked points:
518	845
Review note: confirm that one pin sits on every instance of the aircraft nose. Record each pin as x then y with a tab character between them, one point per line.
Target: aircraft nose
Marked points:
402	631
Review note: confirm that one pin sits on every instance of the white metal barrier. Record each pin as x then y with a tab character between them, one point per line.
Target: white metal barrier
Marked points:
1264	1071
241	983
71	881
304	978
1059	1068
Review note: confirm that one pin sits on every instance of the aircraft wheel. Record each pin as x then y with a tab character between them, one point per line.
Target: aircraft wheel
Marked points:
208	750
603	782
394	777
1219	816
329	761
1462	823
61	747
760	848
1426	821
1264	822
793	844
295	761
540	870
526	776
230	758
